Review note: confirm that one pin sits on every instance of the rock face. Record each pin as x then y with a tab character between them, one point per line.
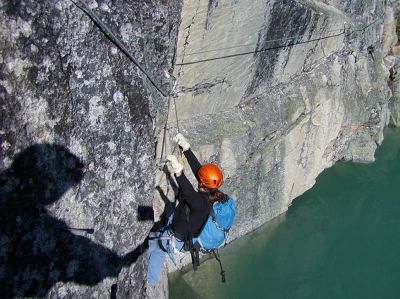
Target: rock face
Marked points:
77	145
79	121
392	61
315	92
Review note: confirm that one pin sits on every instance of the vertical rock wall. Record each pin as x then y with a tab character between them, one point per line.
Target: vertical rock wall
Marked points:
392	60
77	144
78	121
314	93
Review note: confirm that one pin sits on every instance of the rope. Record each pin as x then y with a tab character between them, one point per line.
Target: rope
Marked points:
107	31
164	143
216	255
260	51
342	32
254	44
176	116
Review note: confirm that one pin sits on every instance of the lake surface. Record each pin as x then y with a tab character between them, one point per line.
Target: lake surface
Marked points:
341	239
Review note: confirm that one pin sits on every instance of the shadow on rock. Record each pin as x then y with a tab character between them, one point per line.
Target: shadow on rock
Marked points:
36	249
146	213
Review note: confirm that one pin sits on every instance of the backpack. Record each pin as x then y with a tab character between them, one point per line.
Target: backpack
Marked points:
215	231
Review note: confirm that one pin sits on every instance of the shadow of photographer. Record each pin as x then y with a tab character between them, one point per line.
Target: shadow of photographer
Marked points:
38	250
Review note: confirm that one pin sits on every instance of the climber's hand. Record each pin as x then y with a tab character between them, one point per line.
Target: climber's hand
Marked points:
174	165
182	142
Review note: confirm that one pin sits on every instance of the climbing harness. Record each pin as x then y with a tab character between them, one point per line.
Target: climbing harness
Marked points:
168	242
213	235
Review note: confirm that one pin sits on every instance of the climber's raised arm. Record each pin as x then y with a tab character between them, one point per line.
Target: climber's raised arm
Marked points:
190	157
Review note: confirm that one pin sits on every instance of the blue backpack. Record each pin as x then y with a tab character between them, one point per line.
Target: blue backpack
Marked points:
215	231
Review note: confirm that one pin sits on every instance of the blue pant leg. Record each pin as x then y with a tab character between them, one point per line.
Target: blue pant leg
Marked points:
155	261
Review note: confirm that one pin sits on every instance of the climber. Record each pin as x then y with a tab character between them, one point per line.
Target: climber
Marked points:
201	219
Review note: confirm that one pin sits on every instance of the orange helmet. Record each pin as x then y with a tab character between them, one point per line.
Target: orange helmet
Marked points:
210	176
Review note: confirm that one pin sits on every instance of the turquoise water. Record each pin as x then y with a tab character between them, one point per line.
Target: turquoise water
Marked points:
341	239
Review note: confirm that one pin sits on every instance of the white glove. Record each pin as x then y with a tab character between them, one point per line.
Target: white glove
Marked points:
182	142
174	164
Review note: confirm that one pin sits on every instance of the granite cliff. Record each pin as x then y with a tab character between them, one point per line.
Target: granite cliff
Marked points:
77	145
273	91
277	91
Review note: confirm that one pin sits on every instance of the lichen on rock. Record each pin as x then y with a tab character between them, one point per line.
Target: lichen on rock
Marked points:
274	92
67	93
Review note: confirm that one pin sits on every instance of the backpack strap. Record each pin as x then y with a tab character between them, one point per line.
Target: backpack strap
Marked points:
194	250
212	214
225	230
194	253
